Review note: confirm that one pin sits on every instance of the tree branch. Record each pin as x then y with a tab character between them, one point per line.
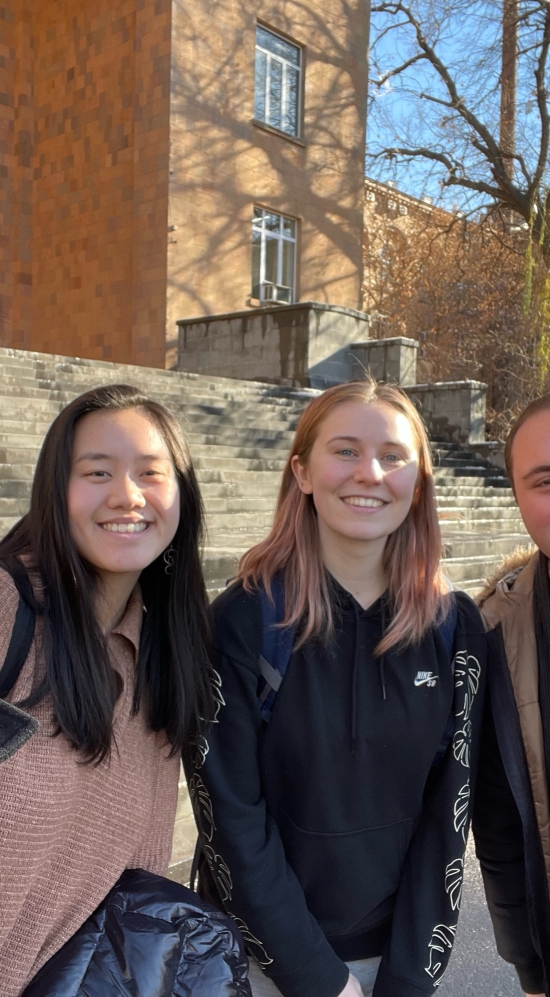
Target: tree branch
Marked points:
490	148
399	69
540	74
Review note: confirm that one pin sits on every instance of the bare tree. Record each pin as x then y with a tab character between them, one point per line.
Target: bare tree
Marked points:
441	92
457	287
460	97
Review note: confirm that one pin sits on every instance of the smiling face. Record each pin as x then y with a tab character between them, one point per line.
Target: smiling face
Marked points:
123	495
362	472
531	470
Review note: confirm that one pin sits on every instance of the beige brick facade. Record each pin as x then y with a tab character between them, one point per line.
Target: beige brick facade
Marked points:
223	164
122	118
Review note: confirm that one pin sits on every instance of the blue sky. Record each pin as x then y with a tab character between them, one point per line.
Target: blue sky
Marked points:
467	40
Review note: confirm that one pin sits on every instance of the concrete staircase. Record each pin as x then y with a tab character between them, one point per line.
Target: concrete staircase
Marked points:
479	518
239	433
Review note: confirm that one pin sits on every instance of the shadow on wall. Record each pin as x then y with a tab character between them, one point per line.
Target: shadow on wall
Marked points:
221	163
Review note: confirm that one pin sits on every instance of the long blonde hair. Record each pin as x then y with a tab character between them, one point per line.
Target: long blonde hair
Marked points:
412	554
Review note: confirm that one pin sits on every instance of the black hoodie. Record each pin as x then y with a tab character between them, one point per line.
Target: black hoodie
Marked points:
330	834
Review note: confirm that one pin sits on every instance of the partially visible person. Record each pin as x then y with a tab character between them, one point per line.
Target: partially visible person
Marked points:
116	676
512	812
333	791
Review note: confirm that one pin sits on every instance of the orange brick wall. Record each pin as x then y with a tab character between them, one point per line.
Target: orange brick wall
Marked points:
16	174
84	166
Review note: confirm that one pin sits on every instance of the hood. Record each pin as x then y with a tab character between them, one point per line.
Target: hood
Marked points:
509	585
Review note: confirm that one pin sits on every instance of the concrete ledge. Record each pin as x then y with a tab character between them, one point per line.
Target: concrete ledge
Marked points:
393	359
305	344
491	450
453	411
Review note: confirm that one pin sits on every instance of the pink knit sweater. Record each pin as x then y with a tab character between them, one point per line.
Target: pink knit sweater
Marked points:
67	830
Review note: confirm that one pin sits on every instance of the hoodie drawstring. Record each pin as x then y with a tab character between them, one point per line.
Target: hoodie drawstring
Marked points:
355	676
382	658
354	681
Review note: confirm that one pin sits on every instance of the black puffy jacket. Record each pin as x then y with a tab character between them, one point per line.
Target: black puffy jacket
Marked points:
150	937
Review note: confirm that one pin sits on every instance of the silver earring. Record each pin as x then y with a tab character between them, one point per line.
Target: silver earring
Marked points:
169	558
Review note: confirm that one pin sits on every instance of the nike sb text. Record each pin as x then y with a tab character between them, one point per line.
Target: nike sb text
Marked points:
426	678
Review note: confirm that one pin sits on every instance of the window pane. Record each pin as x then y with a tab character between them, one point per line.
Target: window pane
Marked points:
289	227
274	117
288	264
278	45
271	246
290	110
259	85
273	256
256	261
272	222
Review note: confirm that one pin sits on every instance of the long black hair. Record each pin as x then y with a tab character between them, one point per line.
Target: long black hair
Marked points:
172	680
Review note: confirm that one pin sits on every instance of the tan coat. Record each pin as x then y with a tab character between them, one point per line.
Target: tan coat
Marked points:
508	600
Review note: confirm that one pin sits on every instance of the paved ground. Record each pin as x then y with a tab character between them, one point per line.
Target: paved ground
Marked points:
476	969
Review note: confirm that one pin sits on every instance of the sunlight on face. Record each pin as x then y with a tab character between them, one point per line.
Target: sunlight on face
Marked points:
531	470
362	471
123	495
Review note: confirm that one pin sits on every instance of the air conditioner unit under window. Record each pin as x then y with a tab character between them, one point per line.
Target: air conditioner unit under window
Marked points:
276	292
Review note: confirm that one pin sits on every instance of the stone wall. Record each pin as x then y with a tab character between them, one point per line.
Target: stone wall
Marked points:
453	411
84	135
393	359
306	344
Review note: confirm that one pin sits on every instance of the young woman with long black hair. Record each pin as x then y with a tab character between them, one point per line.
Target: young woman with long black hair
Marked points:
117	672
333	791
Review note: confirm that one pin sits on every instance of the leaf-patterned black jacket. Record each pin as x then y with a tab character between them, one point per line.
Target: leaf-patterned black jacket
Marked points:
330	834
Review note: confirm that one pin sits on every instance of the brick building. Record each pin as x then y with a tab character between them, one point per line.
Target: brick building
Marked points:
162	160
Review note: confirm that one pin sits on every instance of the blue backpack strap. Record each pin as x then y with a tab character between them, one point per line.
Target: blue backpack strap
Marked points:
447	633
277	645
448	626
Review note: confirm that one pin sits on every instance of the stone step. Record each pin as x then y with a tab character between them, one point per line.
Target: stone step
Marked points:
14	506
98	372
472	545
229	505
237	438
469	569
479	490
478	513
241	523
16	455
229	464
196	404
239	434
222	491
209	475
469	502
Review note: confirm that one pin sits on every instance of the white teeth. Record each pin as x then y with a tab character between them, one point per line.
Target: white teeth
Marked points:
367	503
124	527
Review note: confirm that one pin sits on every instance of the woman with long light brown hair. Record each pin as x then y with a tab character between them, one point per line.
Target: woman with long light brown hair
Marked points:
333	791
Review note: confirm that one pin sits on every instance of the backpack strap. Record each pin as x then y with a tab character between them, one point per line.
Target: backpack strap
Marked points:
16	726
447	633
278	643
277	646
19	647
448	626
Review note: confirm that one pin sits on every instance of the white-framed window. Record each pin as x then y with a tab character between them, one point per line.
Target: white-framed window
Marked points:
277	84
273	257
